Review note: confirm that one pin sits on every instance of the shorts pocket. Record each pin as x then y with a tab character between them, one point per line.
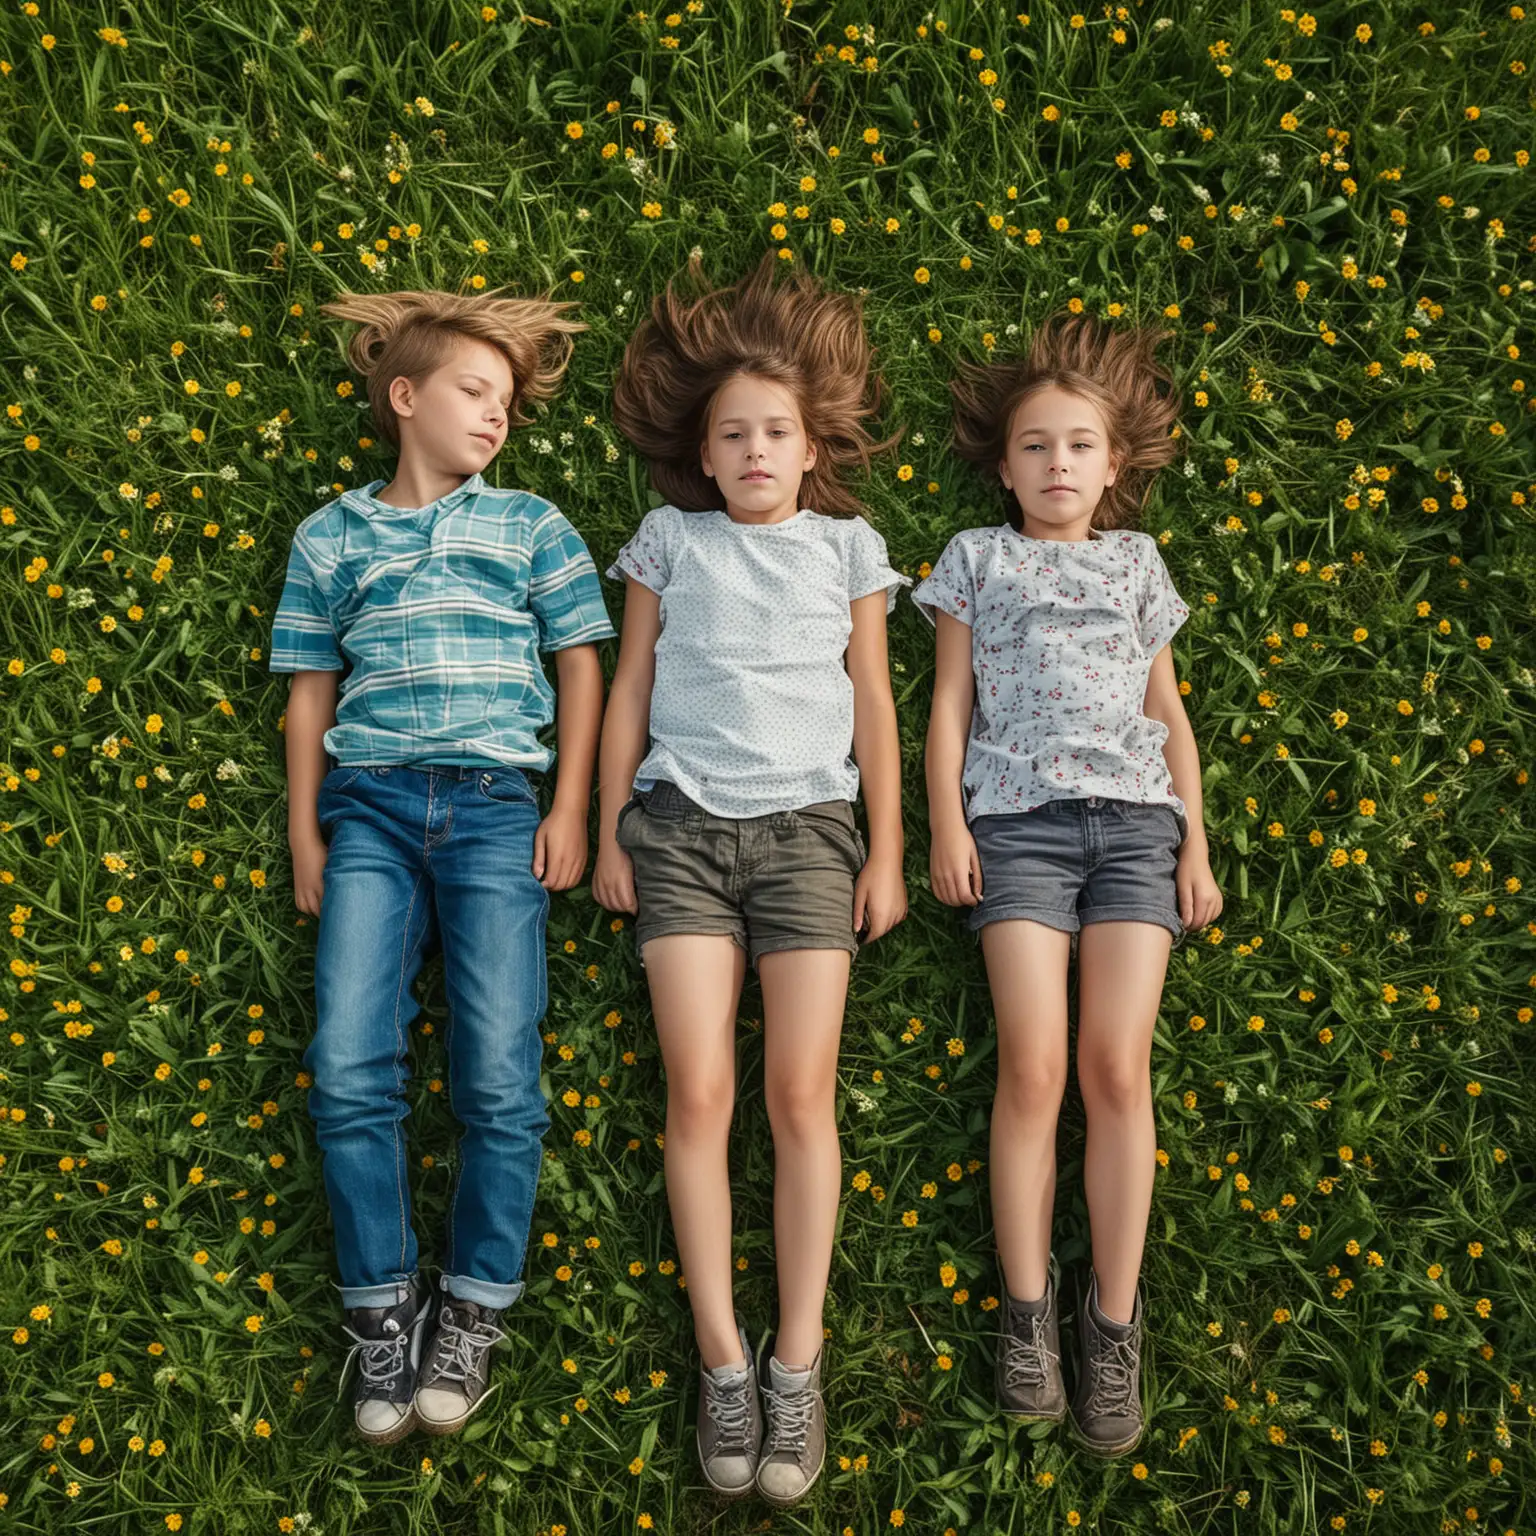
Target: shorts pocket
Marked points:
671	805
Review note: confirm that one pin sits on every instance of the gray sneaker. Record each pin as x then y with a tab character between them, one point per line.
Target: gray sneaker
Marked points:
1029	1384
455	1375
730	1429
796	1443
386	1344
1106	1407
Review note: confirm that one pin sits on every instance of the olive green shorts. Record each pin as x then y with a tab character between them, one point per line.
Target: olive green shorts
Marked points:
780	881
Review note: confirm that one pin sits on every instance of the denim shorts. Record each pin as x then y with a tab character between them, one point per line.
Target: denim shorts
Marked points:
1076	861
780	881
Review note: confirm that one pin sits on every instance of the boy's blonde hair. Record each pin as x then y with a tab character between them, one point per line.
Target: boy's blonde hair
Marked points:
1118	371
786	328
412	334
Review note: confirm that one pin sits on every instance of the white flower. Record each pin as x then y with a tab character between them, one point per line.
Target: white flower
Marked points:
228	769
1157	213
1202	195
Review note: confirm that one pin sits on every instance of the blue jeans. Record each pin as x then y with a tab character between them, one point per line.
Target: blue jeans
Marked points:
416	853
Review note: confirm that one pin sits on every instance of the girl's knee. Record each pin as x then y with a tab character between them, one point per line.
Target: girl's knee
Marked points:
802	1107
1114	1085
1032	1084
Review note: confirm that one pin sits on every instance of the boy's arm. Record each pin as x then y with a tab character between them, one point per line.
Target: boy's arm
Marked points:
311	713
560	844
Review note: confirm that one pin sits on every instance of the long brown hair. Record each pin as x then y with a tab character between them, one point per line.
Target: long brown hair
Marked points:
792	332
413	333
1117	370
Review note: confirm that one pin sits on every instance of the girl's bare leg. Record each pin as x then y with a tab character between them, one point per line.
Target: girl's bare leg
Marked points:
1027	972
1121	967
804	992
695	982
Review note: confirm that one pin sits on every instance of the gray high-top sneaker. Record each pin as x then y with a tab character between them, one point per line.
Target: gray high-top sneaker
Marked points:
730	1429
795	1445
457	1369
1106	1407
1029	1384
387	1343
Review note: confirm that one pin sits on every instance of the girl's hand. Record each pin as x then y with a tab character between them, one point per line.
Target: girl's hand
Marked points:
1199	896
954	866
879	896
560	848
308	872
613	879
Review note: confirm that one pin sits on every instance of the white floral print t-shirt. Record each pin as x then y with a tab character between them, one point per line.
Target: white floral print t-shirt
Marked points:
752	708
1062	639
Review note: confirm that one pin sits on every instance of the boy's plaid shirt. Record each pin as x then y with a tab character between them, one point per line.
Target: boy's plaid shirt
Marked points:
440	612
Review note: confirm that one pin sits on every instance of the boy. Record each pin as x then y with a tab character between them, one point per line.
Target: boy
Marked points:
437	591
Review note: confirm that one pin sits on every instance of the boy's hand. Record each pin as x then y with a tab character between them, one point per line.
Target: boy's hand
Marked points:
879	896
1200	900
560	848
613	881
308	850
954	866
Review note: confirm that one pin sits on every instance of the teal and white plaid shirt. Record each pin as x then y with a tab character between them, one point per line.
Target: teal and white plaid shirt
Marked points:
440	612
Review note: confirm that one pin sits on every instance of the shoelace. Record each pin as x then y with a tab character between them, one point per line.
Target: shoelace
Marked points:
1026	1362
379	1360
1115	1366
789	1418
729	1407
460	1352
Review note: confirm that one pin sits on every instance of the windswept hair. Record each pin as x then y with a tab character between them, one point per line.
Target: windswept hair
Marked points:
790	331
411	334
1117	370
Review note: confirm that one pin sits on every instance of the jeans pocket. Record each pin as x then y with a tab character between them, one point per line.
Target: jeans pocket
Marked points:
506	786
341	778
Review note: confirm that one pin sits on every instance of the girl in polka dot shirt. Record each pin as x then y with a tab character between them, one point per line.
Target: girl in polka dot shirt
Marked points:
751	697
1065	808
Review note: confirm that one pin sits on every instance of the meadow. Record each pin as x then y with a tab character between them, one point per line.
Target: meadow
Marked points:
1332	214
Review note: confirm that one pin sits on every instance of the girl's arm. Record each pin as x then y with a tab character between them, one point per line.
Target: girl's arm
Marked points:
880	894
1199	897
311	713
954	866
626	733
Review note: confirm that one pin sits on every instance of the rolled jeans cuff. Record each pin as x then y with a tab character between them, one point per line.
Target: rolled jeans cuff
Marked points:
484	1293
391	1294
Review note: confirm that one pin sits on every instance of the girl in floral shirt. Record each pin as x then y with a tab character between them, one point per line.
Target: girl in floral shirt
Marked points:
1065	807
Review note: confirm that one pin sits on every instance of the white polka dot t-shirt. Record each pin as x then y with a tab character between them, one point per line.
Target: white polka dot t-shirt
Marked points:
752	709
1062	639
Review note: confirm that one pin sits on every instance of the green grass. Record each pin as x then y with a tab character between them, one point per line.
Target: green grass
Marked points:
281	124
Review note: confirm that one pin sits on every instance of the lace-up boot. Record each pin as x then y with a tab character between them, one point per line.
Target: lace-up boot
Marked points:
1106	1407
1029	1384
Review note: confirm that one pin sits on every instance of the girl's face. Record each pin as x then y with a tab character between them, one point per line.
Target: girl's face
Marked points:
756	450
1057	463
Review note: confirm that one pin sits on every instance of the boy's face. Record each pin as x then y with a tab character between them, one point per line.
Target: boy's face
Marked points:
755	448
456	417
1057	462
